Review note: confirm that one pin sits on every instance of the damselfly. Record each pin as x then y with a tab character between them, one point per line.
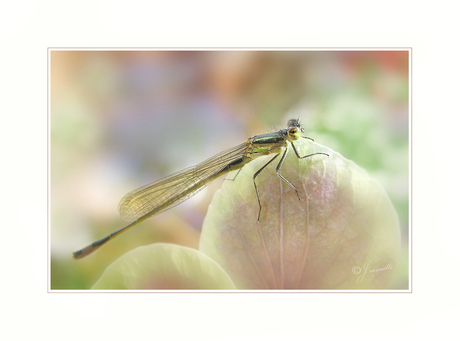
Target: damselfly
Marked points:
142	203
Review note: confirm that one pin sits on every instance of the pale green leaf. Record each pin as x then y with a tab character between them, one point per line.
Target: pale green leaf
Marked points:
343	221
164	266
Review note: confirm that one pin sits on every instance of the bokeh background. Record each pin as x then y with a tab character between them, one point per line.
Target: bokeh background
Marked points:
121	119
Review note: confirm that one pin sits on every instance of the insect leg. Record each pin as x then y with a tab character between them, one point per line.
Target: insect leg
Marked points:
282	177
303	157
255	185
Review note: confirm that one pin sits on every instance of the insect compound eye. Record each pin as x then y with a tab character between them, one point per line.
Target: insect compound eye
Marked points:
293	131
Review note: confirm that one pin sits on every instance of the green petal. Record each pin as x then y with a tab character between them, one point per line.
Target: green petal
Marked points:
164	266
343	221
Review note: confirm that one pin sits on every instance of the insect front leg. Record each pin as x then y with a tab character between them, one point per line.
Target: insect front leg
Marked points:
303	157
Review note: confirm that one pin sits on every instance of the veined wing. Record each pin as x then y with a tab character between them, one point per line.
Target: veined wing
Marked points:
176	188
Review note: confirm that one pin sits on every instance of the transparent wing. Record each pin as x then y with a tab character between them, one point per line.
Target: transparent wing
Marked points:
174	189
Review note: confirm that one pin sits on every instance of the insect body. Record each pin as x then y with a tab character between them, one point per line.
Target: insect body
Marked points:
144	202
